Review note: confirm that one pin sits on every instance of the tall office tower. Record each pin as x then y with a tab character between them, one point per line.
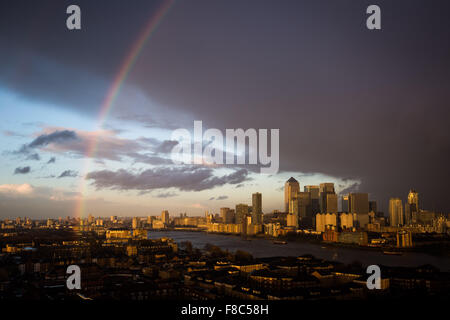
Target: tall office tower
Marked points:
408	214
373	206
257	208
293	205
411	207
396	212
413	200
293	213
227	215
314	195
223	214
241	212
331	203
324	190
165	217
135	223
344	203
304	205
358	203
291	188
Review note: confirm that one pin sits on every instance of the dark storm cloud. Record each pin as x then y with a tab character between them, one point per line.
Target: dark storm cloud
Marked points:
186	178
41	59
22	170
54	137
368	105
68	174
109	146
43	140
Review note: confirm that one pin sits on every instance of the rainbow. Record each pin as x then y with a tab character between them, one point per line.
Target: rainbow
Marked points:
114	90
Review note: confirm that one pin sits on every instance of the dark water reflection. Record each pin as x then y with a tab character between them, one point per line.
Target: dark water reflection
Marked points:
266	248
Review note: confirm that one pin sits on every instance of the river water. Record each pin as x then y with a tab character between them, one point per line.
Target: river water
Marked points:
260	248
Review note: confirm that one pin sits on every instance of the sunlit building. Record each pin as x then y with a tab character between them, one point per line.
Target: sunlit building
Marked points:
412	208
327	204
324	220
404	239
358	203
346	220
241	212
331	203
396	212
165	217
227	215
291	188
314	192
257	208
292	220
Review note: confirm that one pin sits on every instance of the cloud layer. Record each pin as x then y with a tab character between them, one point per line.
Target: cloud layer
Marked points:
186	178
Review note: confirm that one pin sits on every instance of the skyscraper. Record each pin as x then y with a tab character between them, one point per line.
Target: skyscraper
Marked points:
331	203
135	223
165	217
304	205
412	207
324	190
291	188
413	200
241	212
227	215
358	203
257	208
344	203
396	212
314	196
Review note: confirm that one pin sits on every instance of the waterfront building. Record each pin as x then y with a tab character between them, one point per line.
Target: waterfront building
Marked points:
346	220
325	219
404	239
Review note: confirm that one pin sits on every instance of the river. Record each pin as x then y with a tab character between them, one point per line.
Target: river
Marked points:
260	248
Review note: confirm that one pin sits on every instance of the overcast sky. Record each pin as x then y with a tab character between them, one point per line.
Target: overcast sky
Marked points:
367	110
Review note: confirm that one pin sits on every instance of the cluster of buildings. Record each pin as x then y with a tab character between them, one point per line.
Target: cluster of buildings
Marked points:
349	218
142	269
316	211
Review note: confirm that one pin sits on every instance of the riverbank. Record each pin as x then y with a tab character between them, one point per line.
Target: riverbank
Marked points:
262	247
438	249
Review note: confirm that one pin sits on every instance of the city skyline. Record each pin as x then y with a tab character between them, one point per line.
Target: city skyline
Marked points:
88	131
